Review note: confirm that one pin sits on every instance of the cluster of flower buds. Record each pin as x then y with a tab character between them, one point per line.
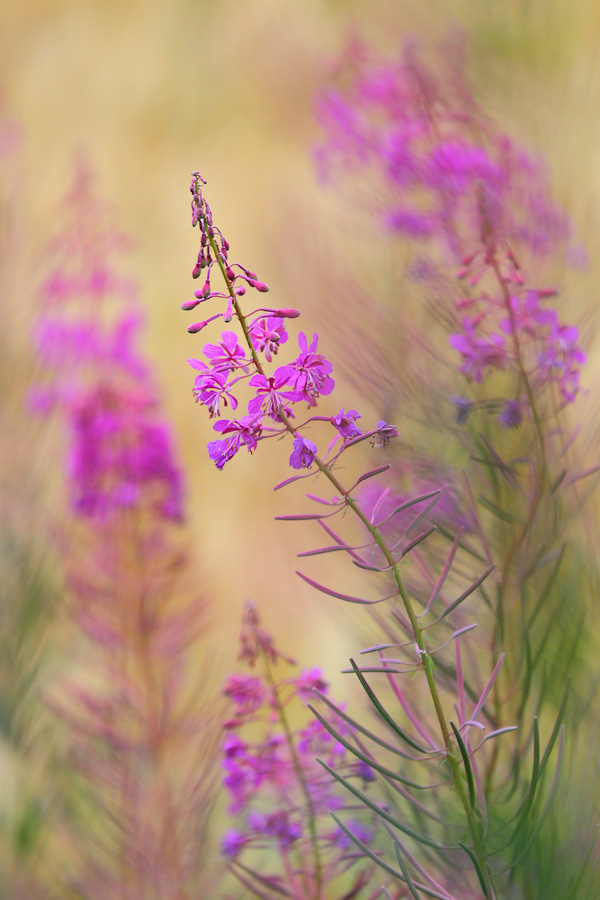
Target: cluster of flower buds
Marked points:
228	365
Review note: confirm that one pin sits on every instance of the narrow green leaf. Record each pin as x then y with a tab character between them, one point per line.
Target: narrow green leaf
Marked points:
362	730
405	872
463	596
389	773
535	774
497	511
476	866
378	809
467	764
383	712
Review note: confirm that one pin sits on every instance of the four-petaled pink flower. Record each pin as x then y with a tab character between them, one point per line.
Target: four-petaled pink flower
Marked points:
312	371
212	387
267	334
345	422
228	355
269	397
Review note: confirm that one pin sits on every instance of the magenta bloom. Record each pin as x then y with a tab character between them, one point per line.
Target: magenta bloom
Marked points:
226	356
267	334
477	353
308	680
245	431
303	454
312	372
210	388
246	691
345	422
269	397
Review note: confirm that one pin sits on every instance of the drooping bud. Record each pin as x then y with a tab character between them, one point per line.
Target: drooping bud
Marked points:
189	304
259	285
196	327
197	270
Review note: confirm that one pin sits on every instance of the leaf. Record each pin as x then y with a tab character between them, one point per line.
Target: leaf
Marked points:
361	729
476	866
416	541
444	573
339	596
409	882
497	511
389	773
370	474
407	504
383	713
378	810
463	596
467	764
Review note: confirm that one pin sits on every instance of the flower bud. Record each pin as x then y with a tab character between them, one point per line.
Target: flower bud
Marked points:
197	270
259	285
287	313
189	304
196	327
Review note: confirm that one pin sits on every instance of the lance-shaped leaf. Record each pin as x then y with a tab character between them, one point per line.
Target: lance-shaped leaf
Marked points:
328	530
408	880
389	773
522	850
334	549
497	511
488	687
364	798
421	537
423	513
444	573
463	596
533	784
261	879
291	480
366	850
383	712
466	762
407	504
477	868
362	730
370	474
304	517
340	596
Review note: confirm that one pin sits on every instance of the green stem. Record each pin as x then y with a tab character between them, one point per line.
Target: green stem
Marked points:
312	818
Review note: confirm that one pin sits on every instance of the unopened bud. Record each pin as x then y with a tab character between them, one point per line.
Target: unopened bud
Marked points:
240	291
197	270
230	273
287	313
189	304
259	285
196	327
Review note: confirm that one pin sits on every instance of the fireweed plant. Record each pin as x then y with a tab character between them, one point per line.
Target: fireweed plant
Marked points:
472	212
443	737
137	811
279	794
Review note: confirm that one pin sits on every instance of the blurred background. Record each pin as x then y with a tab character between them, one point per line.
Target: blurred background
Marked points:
150	91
